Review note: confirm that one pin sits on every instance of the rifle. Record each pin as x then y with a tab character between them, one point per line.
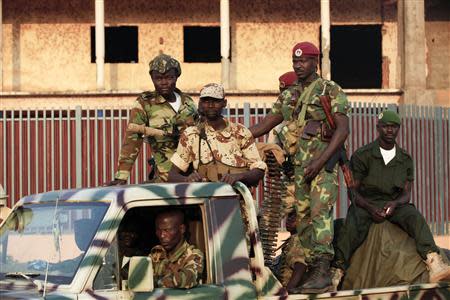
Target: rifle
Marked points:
340	156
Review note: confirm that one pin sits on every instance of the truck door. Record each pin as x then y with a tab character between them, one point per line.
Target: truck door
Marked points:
111	280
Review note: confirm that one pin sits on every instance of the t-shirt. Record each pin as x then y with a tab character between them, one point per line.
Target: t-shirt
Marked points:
176	105
388	155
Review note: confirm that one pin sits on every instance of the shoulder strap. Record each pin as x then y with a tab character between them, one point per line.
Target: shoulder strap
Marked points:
300	109
202	136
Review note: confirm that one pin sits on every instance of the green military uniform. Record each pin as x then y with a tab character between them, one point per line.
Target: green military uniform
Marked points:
182	268
379	184
315	199
152	110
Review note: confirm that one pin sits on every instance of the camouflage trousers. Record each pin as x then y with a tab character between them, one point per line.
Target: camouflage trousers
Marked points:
314	204
290	254
289	198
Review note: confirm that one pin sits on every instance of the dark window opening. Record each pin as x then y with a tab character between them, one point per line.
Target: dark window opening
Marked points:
121	44
201	44
141	222
356	58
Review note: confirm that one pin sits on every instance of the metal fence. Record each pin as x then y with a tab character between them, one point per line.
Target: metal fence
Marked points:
43	150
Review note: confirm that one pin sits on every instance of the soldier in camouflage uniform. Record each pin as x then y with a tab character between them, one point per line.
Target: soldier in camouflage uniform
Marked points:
167	111
310	141
176	264
218	149
286	81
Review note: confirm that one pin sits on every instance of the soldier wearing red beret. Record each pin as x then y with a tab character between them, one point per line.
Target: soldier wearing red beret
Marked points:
312	144
286	80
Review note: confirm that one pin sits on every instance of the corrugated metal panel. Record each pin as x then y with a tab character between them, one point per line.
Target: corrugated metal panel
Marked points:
40	150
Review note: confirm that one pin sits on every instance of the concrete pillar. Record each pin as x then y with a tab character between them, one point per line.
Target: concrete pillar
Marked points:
412	49
326	40
225	41
100	43
1	46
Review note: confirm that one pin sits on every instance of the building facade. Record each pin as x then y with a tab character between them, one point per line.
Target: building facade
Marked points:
381	50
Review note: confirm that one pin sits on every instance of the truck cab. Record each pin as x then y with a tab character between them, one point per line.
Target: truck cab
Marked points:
67	245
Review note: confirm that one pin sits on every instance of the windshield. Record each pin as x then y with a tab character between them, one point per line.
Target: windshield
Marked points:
37	234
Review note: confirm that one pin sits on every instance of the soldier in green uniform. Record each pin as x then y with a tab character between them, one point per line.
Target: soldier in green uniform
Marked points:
166	112
312	144
176	264
218	149
383	174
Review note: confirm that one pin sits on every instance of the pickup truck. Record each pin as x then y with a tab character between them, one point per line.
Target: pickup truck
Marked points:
65	245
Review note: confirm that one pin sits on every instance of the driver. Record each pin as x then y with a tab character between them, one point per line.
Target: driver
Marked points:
218	149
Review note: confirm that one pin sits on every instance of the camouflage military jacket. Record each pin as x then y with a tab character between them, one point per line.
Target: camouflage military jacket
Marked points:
183	268
154	111
287	101
233	146
290	102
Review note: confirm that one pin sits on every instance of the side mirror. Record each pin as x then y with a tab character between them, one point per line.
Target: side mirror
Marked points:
140	274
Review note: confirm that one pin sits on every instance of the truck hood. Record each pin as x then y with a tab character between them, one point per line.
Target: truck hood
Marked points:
12	289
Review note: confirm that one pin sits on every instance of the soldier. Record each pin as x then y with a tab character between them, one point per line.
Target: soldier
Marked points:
176	264
166	112
310	140
383	174
287	80
218	149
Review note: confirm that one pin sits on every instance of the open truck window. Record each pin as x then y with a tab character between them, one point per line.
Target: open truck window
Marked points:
136	237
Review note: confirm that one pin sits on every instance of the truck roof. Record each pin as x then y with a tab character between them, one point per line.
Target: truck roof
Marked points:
127	193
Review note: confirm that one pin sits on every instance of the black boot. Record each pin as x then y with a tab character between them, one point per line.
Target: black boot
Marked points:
319	280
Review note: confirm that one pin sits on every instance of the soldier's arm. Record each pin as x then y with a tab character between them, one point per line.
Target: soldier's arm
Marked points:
405	196
181	160
184	274
360	170
249	178
338	139
132	143
251	155
176	176
402	199
266	125
275	116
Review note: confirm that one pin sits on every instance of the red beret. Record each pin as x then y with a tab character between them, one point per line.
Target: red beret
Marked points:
305	49
287	79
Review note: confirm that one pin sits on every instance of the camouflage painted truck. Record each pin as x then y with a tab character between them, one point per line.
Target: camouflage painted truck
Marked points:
65	245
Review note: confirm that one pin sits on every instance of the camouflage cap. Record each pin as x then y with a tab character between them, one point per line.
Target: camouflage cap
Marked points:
389	116
212	90
163	63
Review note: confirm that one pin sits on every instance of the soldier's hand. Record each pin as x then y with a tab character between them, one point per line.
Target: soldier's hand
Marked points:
195	177
389	208
378	215
231	178
115	182
312	169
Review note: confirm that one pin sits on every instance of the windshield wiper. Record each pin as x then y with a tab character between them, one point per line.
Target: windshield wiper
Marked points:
27	276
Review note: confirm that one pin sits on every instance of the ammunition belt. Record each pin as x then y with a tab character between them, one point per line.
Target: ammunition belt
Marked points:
271	209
